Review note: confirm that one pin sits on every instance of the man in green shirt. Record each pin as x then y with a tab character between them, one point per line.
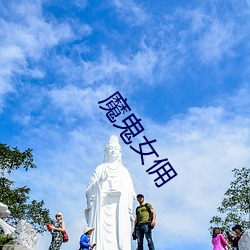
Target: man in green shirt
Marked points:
144	223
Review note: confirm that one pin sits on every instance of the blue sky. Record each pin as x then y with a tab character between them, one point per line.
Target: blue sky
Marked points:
183	67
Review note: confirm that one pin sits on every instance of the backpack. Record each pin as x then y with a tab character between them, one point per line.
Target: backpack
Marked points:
149	212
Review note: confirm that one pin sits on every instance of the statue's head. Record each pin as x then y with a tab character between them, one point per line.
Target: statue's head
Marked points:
4	211
113	150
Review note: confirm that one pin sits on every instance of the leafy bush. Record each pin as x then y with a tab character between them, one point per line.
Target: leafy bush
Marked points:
6	240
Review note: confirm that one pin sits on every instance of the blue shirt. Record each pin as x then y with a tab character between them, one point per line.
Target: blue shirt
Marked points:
84	242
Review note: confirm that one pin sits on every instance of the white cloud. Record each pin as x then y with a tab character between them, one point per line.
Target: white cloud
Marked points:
121	71
200	33
131	12
143	63
32	33
217	42
198	19
80	3
104	69
240	100
10	59
76	101
25	35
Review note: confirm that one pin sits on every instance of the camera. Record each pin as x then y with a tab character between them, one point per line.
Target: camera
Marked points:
134	235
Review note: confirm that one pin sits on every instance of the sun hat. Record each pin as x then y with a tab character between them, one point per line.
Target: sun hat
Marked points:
59	213
87	229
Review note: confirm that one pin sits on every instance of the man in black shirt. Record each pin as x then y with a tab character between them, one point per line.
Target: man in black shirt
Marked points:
238	230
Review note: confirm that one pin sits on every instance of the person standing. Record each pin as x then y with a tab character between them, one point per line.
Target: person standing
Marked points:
85	239
56	231
218	240
143	225
239	231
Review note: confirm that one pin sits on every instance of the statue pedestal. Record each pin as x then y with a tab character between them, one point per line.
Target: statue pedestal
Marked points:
13	247
244	242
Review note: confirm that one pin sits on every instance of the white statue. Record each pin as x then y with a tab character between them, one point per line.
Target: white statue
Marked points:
110	197
4	212
244	242
25	235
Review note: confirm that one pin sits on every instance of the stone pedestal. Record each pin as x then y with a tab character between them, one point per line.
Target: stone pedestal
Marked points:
13	247
244	242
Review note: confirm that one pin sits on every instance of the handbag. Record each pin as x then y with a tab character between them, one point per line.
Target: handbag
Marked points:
65	236
49	227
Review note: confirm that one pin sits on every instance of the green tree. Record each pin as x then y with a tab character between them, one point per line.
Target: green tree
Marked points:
17	199
235	206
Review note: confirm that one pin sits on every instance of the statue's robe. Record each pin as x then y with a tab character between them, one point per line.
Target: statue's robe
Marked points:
110	197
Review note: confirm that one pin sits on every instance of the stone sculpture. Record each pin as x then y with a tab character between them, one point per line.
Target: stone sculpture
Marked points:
4	212
110	197
25	237
244	242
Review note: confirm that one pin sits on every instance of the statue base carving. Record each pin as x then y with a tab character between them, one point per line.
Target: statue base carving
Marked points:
25	237
13	247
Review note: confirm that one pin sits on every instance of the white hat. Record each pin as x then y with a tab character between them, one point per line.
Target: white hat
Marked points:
88	229
59	213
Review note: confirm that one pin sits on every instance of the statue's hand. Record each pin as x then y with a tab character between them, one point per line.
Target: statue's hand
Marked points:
132	217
